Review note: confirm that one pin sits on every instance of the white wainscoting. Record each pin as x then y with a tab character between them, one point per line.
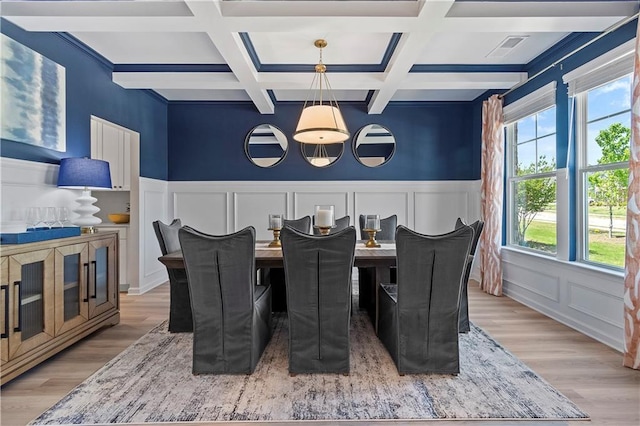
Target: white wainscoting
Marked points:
223	207
153	205
586	298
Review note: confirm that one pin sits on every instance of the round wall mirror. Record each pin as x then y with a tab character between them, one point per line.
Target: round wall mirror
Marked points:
266	145
374	145
322	155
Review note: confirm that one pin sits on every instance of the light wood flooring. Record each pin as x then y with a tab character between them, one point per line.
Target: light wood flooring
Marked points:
586	371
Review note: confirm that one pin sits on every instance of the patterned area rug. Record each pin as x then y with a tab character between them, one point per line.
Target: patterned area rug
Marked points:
151	381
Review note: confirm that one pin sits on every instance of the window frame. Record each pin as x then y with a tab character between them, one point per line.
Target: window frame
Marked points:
583	169
513	179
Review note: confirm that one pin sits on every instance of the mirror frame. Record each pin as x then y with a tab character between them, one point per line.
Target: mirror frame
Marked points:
246	145
304	155
355	148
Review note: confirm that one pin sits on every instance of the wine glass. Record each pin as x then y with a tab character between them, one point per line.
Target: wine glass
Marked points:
33	218
62	216
48	216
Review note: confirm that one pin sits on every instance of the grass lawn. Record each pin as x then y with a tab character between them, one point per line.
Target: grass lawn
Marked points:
602	249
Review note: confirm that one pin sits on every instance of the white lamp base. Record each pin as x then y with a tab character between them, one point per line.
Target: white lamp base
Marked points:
86	210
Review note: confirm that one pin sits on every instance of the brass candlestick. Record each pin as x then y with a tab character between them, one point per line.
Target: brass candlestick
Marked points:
324	230
371	242
276	238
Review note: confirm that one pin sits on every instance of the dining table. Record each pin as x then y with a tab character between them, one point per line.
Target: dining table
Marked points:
379	260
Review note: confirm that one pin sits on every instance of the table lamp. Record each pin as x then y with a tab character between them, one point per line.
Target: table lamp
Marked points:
85	174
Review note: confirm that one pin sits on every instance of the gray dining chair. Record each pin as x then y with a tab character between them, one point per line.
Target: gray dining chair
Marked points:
463	322
418	316
231	315
303	224
180	319
341	223
275	276
366	276
318	273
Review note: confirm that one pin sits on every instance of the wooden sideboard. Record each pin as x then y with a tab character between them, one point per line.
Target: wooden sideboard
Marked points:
52	294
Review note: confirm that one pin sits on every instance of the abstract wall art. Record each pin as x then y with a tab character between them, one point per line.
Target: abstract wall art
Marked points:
33	97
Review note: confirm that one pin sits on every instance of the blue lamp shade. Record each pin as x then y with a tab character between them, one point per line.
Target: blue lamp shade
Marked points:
84	173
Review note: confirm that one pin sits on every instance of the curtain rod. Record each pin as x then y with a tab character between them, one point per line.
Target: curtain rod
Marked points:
604	33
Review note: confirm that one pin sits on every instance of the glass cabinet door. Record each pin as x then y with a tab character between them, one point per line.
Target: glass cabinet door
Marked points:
72	279
31	319
103	267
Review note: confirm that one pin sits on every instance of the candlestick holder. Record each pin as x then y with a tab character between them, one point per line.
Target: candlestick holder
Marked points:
371	242
324	230
276	238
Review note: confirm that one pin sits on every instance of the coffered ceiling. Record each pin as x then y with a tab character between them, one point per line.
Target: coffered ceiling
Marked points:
262	51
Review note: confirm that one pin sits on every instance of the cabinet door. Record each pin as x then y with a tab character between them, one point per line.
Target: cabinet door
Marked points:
32	321
103	268
111	151
71	282
4	309
125	160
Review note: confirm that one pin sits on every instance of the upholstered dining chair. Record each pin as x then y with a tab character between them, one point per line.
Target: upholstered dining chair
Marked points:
275	276
231	315
303	224
418	317
366	276
463	322
318	272
341	223
180	319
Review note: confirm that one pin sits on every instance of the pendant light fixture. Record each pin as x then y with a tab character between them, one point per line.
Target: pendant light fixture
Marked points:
321	121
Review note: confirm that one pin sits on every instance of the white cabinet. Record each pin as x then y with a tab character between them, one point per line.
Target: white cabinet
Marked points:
112	143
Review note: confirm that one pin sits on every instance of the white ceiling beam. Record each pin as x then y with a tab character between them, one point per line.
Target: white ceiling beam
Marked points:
338	81
408	51
529	24
320	8
458	81
109	23
232	50
176	80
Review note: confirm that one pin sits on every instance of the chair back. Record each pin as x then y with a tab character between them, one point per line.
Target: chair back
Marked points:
303	224
477	226
221	277
430	272
180	318
318	278
341	223
387	228
167	235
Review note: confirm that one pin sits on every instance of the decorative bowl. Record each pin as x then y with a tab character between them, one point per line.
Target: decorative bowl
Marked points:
119	217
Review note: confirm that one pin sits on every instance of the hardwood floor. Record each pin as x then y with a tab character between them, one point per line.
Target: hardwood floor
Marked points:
588	372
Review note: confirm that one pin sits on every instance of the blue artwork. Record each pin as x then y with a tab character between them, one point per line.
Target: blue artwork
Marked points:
33	97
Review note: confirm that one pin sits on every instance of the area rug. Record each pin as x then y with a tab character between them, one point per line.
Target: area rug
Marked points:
151	381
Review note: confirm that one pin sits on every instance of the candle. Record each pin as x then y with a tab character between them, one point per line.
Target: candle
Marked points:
373	222
323	218
275	221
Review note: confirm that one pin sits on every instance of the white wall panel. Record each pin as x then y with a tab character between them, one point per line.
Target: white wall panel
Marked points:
436	212
253	209
206	212
153	204
384	204
589	299
533	280
595	303
304	203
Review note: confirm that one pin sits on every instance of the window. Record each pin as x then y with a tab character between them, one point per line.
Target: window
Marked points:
603	136
532	181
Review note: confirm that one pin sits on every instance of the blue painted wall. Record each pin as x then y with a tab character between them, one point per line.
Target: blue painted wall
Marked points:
90	91
434	141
